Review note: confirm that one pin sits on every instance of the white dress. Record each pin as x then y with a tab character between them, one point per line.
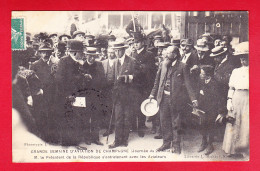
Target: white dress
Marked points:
236	138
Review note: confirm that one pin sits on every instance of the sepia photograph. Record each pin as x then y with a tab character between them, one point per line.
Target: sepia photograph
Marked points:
130	86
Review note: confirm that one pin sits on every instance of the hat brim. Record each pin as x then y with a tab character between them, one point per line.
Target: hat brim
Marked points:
92	53
45	49
213	55
149	107
244	53
202	48
119	47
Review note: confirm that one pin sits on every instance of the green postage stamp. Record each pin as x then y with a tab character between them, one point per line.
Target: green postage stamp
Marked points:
18	34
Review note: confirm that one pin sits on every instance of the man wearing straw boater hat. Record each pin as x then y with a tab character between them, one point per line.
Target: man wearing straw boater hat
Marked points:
122	95
224	66
93	88
203	52
223	69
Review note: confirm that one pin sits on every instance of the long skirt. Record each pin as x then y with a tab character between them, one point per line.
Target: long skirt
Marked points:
236	138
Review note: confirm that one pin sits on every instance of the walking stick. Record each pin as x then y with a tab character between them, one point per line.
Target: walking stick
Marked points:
110	122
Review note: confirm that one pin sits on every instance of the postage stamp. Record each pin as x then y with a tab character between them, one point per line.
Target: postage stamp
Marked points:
18	34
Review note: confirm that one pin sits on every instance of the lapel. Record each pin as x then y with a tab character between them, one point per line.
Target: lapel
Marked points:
105	65
164	70
221	66
175	67
124	66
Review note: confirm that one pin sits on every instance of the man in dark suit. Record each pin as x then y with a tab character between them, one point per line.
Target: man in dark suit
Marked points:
123	99
223	69
145	75
93	90
70	78
43	104
211	103
188	54
74	26
222	72
171	88
108	65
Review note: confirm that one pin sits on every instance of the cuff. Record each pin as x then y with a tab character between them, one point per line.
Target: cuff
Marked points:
130	78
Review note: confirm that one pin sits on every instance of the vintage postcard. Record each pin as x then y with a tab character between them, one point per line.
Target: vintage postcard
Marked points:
130	86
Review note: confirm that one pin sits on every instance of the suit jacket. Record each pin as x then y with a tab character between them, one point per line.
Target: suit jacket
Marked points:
192	60
223	72
96	70
180	85
145	71
123	91
43	71
210	99
69	78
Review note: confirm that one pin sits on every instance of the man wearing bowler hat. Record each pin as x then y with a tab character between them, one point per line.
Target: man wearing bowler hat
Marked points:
43	103
145	75
71	81
171	88
124	68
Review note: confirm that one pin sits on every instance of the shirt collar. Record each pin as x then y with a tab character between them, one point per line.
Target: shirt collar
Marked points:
207	81
224	60
140	50
110	62
122	59
174	62
187	55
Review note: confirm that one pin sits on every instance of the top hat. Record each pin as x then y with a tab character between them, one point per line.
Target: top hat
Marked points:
218	51
91	51
118	45
76	33
64	35
75	45
149	107
187	42
138	37
242	49
202	45
54	34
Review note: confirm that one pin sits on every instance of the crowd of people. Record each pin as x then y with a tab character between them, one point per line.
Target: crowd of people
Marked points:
69	87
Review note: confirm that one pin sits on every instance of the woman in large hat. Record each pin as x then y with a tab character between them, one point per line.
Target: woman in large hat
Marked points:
236	137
